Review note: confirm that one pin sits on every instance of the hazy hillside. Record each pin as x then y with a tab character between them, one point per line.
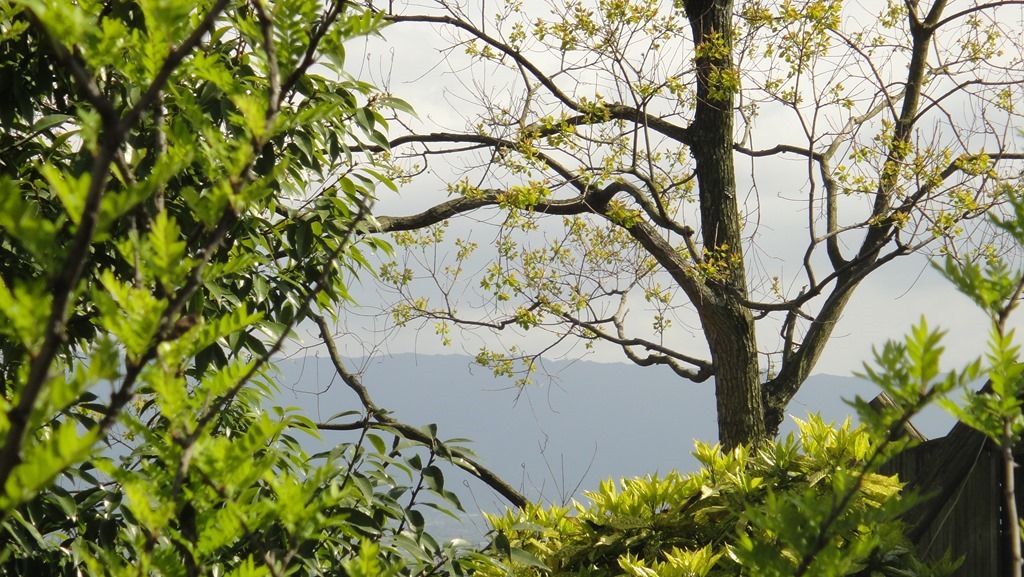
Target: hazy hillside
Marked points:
587	422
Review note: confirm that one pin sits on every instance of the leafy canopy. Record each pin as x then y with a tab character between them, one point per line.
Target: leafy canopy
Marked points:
180	185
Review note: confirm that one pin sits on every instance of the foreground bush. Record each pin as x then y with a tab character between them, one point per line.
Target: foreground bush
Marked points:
745	512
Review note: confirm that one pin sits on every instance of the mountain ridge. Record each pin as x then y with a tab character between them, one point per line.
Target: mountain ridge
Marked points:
582	422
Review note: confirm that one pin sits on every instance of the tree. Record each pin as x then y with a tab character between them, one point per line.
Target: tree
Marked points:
181	184
628	121
815	503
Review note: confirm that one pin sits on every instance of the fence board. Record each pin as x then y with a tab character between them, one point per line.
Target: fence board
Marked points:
965	514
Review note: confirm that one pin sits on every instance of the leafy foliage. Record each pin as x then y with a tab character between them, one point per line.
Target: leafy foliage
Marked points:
180	185
814	503
745	512
996	287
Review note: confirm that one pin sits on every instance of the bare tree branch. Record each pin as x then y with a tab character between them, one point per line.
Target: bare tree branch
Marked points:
458	457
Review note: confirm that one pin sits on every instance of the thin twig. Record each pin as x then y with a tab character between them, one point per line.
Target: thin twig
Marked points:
459	457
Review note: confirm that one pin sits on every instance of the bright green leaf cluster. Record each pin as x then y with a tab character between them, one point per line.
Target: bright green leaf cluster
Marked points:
746	512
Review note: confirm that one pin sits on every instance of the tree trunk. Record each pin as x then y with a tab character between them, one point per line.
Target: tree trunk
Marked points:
738	398
727	324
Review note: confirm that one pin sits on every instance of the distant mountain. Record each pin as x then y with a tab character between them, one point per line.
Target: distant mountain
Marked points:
580	423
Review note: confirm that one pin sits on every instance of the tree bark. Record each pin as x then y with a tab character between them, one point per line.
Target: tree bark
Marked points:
738	395
728	325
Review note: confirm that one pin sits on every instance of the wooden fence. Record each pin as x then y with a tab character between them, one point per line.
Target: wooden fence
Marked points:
965	515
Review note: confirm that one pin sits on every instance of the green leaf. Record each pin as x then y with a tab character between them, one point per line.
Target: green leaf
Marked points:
164	251
27	309
523	557
51	120
434	478
59	447
71	190
378	443
23	221
502	545
398	105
